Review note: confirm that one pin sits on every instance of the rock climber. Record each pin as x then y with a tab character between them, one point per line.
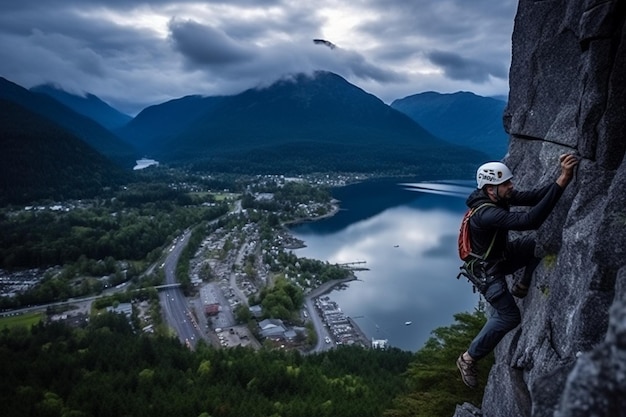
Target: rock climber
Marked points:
489	228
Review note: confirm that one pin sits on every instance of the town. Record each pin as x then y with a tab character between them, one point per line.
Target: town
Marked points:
241	256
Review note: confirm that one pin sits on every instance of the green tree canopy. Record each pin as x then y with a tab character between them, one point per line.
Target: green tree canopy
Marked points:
435	386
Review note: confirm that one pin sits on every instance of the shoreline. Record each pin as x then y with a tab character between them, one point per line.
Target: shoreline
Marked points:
297	243
334	210
329	286
337	332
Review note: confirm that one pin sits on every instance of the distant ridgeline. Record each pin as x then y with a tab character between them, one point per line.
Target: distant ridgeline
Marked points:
461	118
89	105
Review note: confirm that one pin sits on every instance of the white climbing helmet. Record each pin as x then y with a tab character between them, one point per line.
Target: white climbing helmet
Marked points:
492	173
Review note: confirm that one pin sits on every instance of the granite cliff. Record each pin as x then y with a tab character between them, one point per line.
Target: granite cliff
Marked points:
568	94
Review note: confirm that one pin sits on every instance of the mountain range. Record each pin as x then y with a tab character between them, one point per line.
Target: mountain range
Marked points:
300	124
87	105
462	118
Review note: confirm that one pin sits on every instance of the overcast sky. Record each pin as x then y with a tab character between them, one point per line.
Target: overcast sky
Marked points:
133	54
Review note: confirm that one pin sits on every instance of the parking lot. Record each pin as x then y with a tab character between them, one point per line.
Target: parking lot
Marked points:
235	336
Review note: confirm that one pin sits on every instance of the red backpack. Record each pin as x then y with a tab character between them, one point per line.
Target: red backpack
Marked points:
465	245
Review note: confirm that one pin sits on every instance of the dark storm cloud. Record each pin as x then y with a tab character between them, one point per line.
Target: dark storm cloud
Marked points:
452	34
299	23
214	51
442	19
457	67
361	68
135	53
205	45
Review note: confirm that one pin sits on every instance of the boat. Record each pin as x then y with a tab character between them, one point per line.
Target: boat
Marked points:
408	323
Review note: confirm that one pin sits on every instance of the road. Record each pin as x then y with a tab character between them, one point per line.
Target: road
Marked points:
233	276
174	303
320	328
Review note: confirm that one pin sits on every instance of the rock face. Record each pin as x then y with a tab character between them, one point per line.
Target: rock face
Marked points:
568	94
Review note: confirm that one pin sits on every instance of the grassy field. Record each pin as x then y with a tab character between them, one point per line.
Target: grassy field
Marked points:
22	320
224	196
217	196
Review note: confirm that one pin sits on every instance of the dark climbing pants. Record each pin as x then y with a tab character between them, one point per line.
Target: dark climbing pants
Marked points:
506	316
519	253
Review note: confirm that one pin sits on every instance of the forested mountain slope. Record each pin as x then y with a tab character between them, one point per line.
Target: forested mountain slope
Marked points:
41	159
80	126
87	105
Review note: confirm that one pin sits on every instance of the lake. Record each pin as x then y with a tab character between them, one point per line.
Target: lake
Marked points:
144	163
408	240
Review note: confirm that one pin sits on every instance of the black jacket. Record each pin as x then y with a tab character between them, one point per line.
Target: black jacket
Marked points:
485	222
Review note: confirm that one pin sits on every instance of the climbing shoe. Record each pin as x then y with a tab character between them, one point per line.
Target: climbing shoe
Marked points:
519	290
468	370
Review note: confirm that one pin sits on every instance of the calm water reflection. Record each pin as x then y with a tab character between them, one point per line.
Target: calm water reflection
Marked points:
408	240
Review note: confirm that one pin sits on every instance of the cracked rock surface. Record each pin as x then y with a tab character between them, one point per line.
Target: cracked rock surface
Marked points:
568	94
